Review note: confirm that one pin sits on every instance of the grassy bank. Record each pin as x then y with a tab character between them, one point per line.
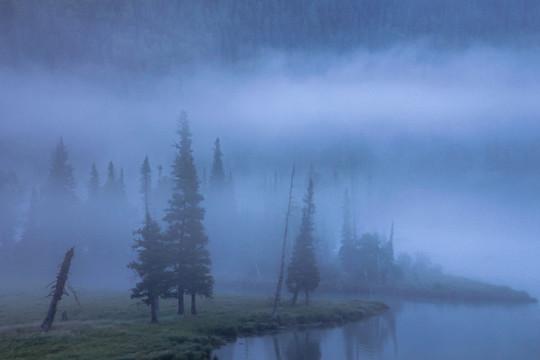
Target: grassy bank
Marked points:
458	288
439	287
111	326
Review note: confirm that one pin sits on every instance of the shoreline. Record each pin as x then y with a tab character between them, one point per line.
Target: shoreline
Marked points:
111	326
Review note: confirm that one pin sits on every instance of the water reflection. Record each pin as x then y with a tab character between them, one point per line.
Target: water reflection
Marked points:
302	346
443	331
370	337
352	341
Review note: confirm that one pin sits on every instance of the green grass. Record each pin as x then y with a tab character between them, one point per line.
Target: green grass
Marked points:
111	326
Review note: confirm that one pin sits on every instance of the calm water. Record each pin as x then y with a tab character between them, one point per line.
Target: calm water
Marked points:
409	331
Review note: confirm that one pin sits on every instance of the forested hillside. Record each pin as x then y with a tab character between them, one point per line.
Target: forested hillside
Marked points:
157	36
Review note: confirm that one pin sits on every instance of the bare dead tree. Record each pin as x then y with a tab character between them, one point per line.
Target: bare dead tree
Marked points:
282	267
58	289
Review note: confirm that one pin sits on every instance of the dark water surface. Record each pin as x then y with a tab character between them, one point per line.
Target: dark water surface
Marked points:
410	330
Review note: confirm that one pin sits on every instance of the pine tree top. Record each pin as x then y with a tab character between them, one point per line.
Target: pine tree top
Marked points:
217	174
60	184
146	181
94	182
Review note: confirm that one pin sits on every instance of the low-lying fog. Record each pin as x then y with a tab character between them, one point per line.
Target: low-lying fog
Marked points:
444	144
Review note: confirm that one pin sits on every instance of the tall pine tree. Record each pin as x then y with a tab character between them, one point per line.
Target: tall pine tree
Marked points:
94	183
59	188
347	251
303	274
217	175
111	186
185	230
150	266
53	222
152	263
221	217
146	181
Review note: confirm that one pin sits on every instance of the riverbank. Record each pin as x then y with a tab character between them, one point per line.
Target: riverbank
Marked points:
435	287
109	325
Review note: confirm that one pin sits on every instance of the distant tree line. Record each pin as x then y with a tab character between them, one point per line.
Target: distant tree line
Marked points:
38	223
156	36
57	219
368	260
171	241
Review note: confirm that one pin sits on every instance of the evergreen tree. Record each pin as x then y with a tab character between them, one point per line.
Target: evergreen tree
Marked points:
303	274
221	217
94	183
59	189
185	230
150	265
146	181
347	251
217	175
114	187
54	219
111	185
106	226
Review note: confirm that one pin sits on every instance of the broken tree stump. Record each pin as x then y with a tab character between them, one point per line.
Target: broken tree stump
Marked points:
57	290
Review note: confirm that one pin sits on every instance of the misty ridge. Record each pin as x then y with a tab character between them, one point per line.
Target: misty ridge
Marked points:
426	113
136	36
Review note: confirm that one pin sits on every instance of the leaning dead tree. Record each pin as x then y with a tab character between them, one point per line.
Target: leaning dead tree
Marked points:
282	268
58	289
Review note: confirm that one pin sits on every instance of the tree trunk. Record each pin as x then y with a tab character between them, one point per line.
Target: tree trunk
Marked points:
180	301
193	304
58	290
307	297
295	296
153	310
282	267
368	282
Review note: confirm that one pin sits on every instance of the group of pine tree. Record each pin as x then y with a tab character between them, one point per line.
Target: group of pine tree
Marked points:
175	261
172	247
57	219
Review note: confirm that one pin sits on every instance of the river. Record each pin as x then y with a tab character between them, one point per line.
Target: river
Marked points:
410	330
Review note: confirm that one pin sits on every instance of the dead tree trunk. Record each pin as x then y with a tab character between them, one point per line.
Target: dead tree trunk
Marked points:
193	303
153	310
282	268
180	311
58	290
295	296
